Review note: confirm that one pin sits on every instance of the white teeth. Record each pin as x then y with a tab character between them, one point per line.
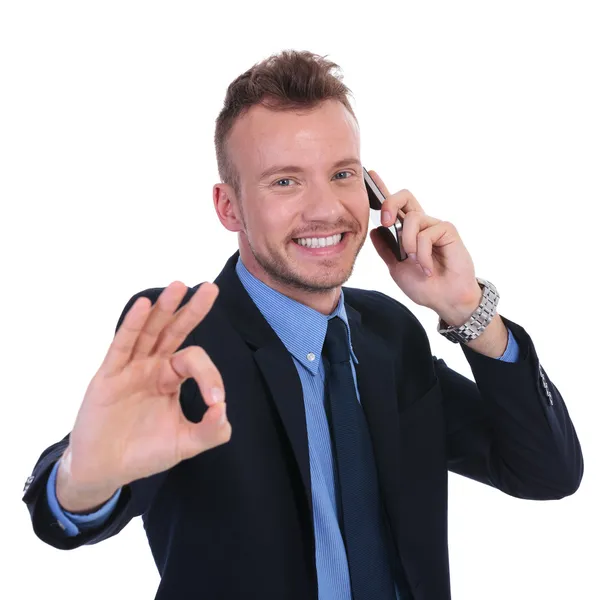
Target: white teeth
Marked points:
332	240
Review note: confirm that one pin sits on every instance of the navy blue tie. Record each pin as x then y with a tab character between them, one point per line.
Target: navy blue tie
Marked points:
361	515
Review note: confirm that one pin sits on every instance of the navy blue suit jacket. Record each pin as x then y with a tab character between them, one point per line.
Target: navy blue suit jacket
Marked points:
236	521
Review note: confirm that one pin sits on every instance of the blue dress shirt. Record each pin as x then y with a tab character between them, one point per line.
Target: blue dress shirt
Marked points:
304	345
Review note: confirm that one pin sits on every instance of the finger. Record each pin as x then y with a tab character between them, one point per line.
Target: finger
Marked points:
119	352
186	319
161	315
213	430
414	223
439	234
400	203
385	252
193	361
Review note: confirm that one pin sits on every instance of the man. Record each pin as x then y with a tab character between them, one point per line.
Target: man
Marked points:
327	475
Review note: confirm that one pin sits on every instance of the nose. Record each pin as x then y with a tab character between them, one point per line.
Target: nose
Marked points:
323	203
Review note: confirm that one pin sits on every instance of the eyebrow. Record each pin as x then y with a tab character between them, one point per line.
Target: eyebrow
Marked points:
296	169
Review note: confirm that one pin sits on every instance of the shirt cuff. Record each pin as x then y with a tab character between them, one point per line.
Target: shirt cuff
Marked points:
71	523
511	354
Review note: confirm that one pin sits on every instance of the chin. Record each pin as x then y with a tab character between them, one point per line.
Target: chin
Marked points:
334	273
323	277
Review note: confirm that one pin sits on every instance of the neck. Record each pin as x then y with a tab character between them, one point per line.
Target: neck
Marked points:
324	301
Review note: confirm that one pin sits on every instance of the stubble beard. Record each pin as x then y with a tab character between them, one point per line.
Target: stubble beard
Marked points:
280	269
275	264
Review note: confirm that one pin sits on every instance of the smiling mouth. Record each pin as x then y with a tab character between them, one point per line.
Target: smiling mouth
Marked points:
320	242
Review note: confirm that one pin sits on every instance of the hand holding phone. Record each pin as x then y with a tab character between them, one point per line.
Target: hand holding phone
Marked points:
391	235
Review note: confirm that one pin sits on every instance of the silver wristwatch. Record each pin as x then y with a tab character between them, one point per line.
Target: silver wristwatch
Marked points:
478	321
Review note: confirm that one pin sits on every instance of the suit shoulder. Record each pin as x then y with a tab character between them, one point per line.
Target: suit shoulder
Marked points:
372	304
396	325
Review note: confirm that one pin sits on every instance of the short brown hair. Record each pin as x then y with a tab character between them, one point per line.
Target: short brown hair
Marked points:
286	81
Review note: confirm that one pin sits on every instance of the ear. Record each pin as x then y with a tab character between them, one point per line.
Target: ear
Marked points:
226	205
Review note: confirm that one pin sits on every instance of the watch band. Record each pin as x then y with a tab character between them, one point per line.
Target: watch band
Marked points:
478	321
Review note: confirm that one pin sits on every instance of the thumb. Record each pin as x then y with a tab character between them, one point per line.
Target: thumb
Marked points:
213	430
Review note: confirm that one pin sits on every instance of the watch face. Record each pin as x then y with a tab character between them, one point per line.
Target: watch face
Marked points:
454	338
448	334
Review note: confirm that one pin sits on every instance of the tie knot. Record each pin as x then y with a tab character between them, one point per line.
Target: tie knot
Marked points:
336	341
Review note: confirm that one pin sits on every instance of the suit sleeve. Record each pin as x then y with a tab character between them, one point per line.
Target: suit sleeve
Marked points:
510	429
133	500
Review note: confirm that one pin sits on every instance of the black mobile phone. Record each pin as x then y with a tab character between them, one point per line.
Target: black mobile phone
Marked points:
391	235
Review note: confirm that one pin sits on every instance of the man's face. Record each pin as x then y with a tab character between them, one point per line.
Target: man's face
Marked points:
301	185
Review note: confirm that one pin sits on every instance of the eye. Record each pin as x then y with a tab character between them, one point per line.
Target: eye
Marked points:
342	172
280	180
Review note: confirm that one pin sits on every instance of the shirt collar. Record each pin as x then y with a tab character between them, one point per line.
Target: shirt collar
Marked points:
301	329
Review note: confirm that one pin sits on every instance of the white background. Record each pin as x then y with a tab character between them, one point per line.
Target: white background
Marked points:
487	112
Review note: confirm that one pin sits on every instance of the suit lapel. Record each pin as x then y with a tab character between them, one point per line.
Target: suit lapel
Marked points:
284	384
275	364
